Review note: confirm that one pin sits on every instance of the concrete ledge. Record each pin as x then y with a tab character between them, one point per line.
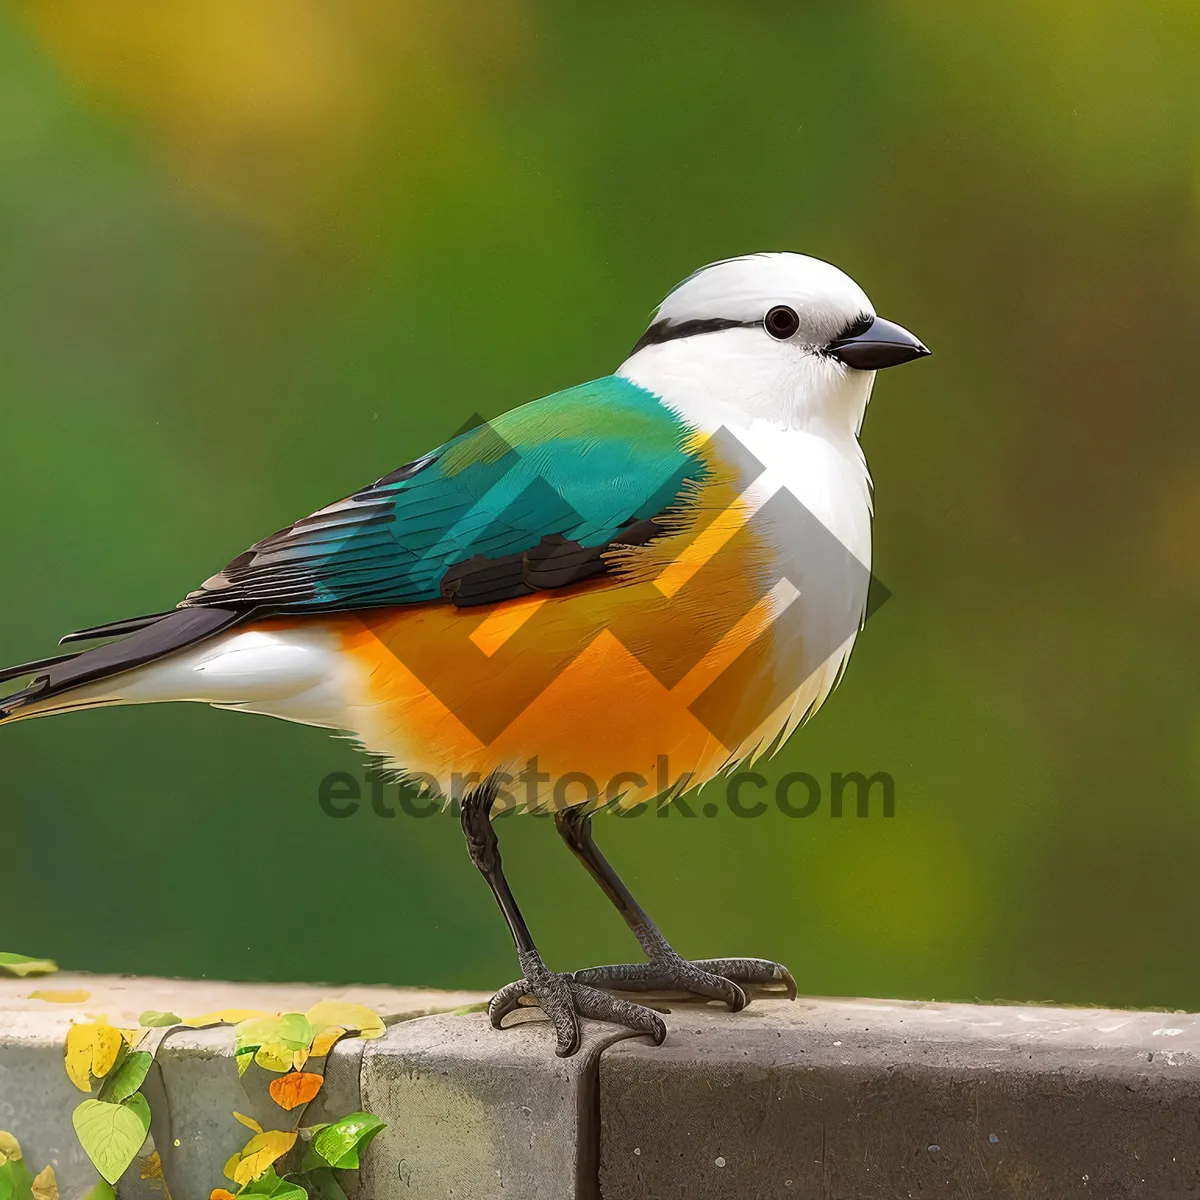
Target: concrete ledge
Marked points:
486	1114
829	1098
863	1099
193	1088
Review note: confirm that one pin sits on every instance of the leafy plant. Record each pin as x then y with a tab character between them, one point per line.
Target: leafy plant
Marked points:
340	1143
259	1154
283	1044
113	1125
17	1182
112	1133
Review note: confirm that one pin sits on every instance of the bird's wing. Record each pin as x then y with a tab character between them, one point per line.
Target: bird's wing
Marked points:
531	501
526	502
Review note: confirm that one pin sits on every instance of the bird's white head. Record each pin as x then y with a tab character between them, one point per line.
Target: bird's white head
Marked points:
777	337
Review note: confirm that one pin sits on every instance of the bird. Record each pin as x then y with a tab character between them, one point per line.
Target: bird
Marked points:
607	596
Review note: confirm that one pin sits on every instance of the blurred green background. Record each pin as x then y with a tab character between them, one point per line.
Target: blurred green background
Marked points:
253	256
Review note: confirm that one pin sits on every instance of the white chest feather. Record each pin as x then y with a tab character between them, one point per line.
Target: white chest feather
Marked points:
810	500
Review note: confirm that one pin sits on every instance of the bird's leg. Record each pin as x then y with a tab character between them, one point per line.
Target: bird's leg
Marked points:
713	979
561	997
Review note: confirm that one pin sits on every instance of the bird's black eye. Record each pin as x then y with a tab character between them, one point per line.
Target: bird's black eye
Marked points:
781	322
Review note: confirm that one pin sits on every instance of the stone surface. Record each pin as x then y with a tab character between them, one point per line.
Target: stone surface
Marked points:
123	998
861	1099
834	1099
477	1114
36	1102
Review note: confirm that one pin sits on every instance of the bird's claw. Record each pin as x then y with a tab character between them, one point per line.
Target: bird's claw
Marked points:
564	999
723	979
772	978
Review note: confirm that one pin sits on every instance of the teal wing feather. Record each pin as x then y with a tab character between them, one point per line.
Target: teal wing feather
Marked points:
526	502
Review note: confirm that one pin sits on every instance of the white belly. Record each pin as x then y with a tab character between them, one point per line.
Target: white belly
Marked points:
813	500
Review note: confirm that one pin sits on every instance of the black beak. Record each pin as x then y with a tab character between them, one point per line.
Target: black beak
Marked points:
883	344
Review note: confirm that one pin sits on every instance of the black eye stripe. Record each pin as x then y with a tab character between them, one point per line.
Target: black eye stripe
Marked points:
668	331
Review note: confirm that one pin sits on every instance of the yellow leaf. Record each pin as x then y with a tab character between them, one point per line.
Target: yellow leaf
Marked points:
45	1186
133	1036
249	1122
75	997
324	1042
259	1153
79	1056
299	1058
226	1016
92	1048
106	1045
328	1014
294	1089
10	1148
274	1056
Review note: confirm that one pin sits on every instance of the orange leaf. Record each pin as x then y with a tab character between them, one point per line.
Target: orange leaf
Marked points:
294	1089
324	1042
221	1194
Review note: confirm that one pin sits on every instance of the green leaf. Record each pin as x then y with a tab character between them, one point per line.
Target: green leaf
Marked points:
117	1064
101	1192
22	966
327	1187
138	1103
112	1134
295	1030
340	1143
287	1191
15	1180
271	1185
158	1020
290	1029
311	1160
127	1077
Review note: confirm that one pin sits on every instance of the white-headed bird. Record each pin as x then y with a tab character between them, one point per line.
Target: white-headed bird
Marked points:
606	596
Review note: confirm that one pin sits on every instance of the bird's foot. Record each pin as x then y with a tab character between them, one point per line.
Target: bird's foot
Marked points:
724	979
564	999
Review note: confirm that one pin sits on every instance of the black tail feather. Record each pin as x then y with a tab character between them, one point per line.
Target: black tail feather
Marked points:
113	628
173	631
32	668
